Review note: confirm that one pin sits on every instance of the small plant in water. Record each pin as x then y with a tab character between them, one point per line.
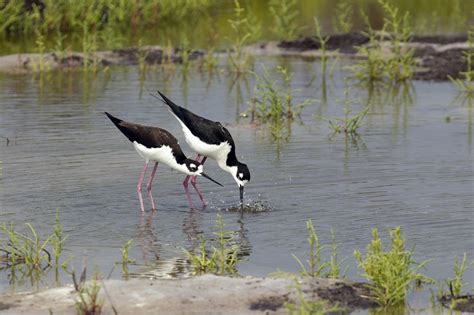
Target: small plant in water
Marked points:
285	16
457	283
390	272
222	258
349	124
244	32
273	104
466	85
315	266
125	256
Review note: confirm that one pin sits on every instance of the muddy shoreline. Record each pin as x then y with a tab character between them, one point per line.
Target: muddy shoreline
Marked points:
437	56
206	294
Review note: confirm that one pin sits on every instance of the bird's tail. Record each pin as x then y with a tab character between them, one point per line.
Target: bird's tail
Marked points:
115	120
174	108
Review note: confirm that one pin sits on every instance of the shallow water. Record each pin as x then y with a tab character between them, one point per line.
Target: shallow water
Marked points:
408	167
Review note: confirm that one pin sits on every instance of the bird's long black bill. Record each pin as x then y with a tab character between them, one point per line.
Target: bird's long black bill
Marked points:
207	176
241	194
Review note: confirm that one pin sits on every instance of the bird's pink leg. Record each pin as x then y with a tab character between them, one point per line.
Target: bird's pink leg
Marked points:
194	181
148	185
139	186
186	189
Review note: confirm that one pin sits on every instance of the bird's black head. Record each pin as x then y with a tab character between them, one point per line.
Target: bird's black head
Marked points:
242	177
194	168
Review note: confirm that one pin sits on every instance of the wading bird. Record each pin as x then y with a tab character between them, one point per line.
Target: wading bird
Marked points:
209	139
158	145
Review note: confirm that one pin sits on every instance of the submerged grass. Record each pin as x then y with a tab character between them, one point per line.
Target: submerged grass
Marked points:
349	124
390	272
273	102
466	85
221	258
285	16
394	65
315	266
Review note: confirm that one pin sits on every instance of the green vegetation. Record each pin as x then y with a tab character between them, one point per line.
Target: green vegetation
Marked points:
379	65
309	307
315	267
29	249
342	18
245	29
125	256
272	103
322	40
285	16
222	258
466	85
88	302
348	124
390	272
457	283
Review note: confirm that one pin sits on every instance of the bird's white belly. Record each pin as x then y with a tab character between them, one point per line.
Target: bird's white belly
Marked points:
216	152
164	155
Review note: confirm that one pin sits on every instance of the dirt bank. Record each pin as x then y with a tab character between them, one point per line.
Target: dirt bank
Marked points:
436	56
207	294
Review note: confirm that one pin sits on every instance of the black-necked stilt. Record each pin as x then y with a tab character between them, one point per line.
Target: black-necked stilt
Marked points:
210	139
158	145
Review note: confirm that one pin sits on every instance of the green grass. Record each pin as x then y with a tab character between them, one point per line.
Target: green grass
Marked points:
314	266
349	124
285	17
379	65
221	258
343	15
466	85
88	301
30	249
306	306
457	283
273	103
245	29
390	272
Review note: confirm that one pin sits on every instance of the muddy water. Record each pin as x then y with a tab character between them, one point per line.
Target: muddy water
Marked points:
410	166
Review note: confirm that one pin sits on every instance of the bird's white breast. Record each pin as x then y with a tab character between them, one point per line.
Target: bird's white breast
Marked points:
216	152
164	155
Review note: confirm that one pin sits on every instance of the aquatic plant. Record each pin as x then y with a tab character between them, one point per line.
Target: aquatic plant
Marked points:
25	249
349	124
322	40
392	67
125	256
244	31
57	241
457	283
342	19
390	272
88	302
222	258
30	249
309	307
315	266
466	85
272	103
285	17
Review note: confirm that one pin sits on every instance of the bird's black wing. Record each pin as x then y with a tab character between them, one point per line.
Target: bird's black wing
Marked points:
207	130
150	137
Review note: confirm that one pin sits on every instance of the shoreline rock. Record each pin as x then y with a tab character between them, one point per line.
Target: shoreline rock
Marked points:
207	294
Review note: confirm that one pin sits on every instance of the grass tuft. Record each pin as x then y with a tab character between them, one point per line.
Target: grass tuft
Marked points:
221	258
390	272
